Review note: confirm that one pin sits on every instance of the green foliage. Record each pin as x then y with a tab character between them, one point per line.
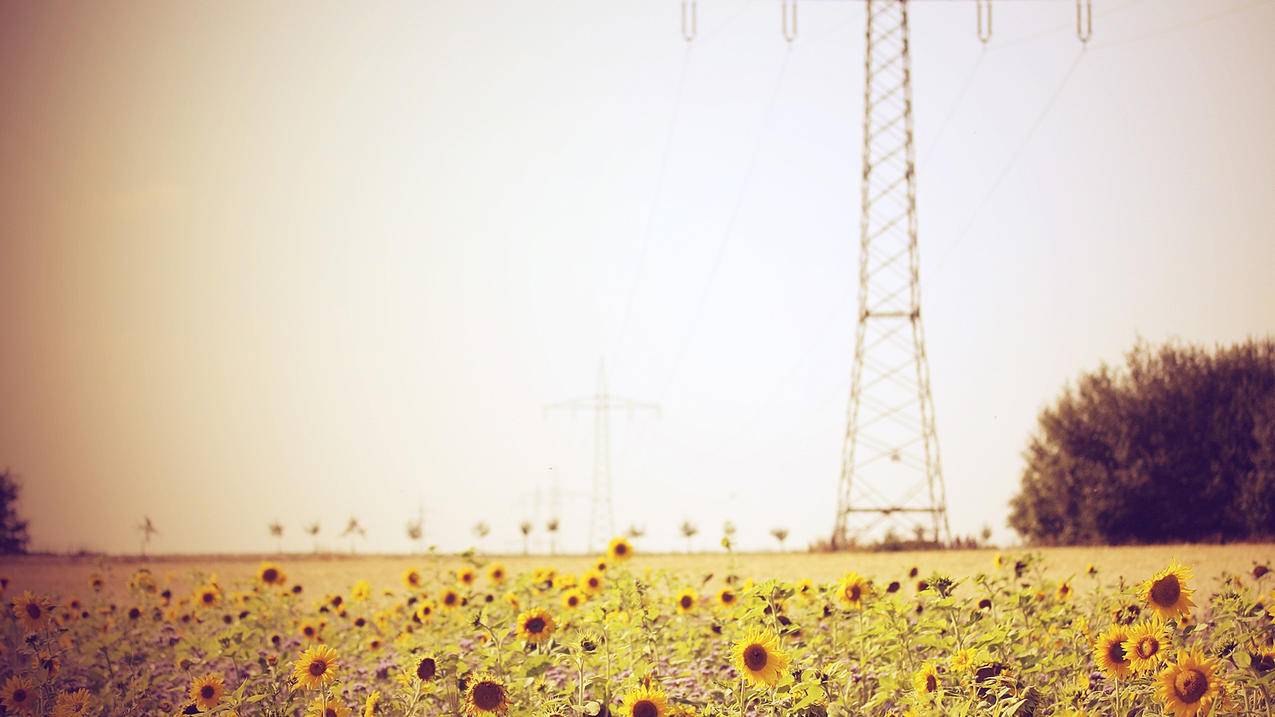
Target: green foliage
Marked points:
1178	445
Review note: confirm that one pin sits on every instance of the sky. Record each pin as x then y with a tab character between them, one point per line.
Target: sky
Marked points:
302	261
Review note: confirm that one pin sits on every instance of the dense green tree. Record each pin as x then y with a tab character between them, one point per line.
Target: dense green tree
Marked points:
1178	444
13	529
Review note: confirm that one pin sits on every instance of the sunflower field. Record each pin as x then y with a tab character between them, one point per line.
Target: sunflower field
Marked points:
480	640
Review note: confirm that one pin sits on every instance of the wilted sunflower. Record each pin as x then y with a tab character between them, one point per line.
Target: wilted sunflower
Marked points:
1146	645
686	600
644	702
926	680
412	579
574	598
72	704
18	695
327	707
619	550
535	626
853	590
591	582
726	597
32	611
270	574
466	576
316	667
450	599
758	658
486	695
496	573
1190	685
1166	592
207	691
1109	652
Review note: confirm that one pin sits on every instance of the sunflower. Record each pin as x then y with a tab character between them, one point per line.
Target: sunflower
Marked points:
425	611
450	599
1109	652
686	600
1166	592
759	658
426	669
726	597
486	695
270	574
1146	645
316	667
309	631
573	598
511	599
1189	686
373	706
592	582
496	573
207	691
1064	591
853	590
535	625
327	707
466	576
600	565
32	611
361	591
644	702
926	680
17	695
619	550
412	579
964	660
72	704
208	596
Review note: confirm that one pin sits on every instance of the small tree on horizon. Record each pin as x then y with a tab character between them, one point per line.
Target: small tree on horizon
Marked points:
780	534
313	531
689	530
552	526
148	531
276	532
416	530
353	528
13	529
525	528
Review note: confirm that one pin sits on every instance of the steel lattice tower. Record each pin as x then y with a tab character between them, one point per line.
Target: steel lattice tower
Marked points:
601	514
890	472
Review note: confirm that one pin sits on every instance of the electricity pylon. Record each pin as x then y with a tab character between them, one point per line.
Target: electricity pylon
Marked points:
601	515
890	471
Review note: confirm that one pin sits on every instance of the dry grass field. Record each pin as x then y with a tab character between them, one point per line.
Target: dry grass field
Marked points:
335	573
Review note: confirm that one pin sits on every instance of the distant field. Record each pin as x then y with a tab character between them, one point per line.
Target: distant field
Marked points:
335	573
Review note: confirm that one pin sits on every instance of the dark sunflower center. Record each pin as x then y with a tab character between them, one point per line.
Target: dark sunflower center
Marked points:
645	708
309	631
1166	591
318	667
755	657
488	695
1147	647
19	695
270	575
535	625
208	597
450	599
426	669
621	549
687	602
34	611
1116	652
727	597
573	600
207	692
1190	686
329	712
854	592
593	582
931	683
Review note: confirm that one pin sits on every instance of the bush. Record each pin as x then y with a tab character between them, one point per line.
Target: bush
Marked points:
1178	445
13	530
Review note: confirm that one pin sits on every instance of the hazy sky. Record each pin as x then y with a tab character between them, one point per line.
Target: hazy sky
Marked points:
302	260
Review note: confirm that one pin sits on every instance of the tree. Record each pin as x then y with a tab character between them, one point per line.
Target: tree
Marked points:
13	529
148	530
552	526
525	528
635	531
276	532
353	528
689	530
313	531
481	531
1176	445
780	534
416	530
